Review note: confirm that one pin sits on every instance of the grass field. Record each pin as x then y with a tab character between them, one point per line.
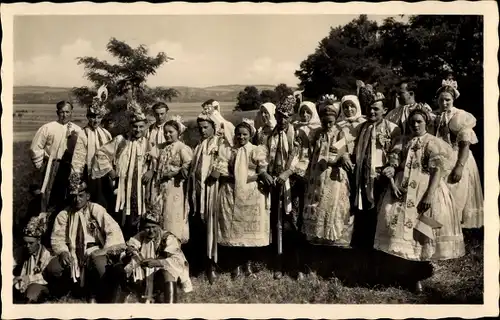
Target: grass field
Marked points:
455	281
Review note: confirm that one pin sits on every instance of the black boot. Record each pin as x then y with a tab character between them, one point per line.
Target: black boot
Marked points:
170	293
210	270
278	271
248	270
236	273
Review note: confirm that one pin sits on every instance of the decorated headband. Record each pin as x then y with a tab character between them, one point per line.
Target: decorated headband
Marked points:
449	83
327	99
178	120
250	124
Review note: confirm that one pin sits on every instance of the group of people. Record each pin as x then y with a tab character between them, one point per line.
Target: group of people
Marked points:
116	212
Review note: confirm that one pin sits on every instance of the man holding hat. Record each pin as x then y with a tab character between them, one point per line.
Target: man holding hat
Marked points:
89	140
30	261
82	235
125	160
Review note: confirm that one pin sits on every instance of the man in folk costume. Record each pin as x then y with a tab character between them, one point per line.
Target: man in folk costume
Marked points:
153	261
90	139
155	133
30	261
51	153
203	193
370	157
81	238
284	161
407	103
125	160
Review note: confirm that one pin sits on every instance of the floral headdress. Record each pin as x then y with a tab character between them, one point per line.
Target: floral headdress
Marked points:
36	226
98	103
285	107
76	185
449	83
178	120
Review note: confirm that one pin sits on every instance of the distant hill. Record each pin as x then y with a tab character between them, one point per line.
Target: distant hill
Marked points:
45	95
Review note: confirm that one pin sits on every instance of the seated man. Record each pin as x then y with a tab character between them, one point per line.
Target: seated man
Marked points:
29	263
81	237
154	261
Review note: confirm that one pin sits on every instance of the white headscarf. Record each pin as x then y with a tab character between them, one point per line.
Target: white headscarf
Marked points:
354	99
271	109
315	121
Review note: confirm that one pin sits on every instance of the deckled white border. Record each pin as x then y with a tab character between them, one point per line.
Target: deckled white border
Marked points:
210	311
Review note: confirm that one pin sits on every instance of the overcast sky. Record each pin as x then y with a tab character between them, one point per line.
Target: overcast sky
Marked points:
208	50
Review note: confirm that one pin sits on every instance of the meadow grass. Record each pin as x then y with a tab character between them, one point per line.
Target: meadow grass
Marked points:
341	280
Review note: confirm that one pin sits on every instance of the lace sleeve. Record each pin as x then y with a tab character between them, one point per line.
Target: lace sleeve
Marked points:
259	157
221	163
396	151
439	155
462	125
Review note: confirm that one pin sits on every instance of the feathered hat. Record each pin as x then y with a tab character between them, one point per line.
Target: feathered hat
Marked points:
36	226
76	185
137	114
153	214
98	102
285	107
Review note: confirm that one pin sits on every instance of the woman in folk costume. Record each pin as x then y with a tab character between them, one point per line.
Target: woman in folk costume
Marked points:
417	219
124	159
154	261
226	128
456	127
51	152
407	104
203	195
309	121
171	166
82	236
349	123
327	216
244	211
89	140
350	119
286	157
370	157
30	262
267	117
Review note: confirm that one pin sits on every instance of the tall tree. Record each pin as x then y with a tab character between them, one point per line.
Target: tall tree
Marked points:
267	95
248	99
125	80
343	57
282	91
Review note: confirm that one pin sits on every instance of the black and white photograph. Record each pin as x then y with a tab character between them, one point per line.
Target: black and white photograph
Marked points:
193	155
